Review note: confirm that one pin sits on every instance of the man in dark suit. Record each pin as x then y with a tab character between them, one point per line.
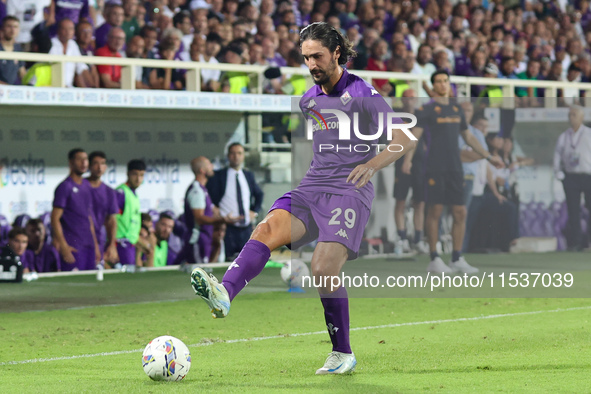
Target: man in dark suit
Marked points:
236	193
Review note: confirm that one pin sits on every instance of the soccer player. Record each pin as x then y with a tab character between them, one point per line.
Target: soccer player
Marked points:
40	256
331	204
104	204
129	218
71	218
444	121
403	183
200	215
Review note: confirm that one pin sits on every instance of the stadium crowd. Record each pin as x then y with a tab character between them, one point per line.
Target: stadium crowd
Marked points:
531	40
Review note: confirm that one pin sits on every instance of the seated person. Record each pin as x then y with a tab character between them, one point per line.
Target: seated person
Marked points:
40	255
17	244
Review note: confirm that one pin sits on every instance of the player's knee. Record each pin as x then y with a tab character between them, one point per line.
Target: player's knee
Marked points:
459	213
262	232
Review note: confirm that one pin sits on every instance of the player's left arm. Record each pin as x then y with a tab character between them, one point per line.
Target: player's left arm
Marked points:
361	174
97	250
473	143
111	251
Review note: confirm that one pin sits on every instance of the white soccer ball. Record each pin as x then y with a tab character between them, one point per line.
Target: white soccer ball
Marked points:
293	271
166	358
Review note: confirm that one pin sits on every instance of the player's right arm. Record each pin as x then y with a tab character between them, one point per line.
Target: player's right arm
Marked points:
202	219
59	241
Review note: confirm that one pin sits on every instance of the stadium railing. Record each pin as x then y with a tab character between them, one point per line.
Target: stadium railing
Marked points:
193	76
256	72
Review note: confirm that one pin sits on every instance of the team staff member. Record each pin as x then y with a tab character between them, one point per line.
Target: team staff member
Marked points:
71	218
236	193
129	218
572	165
444	122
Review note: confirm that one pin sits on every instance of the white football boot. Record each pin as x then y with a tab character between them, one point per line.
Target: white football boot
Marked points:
437	266
461	266
213	293
338	363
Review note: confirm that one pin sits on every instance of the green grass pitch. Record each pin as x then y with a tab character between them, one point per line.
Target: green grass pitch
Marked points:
74	335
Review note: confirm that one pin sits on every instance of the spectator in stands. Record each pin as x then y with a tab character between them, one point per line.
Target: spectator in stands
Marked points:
145	245
129	217
363	50
135	50
130	24
200	216
85	41
29	13
74	73
114	18
111	75
234	81
72	222
572	166
236	193
424	66
270	55
11	72
377	62
167	78
531	73
141	16
74	10
182	22
150	36
571	96
40	256
104	206
209	78
17	245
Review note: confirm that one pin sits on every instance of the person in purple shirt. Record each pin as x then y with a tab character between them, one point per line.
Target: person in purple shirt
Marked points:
40	256
114	18
332	203
200	216
75	10
104	206
71	218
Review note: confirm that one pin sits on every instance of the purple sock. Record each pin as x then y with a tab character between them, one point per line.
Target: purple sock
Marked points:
249	263
336	314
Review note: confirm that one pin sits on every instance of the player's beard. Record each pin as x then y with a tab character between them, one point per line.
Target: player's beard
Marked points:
323	76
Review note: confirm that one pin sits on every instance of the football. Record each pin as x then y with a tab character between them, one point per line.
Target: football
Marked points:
293	271
166	358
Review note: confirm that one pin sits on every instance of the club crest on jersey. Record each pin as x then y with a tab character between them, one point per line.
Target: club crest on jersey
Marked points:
346	97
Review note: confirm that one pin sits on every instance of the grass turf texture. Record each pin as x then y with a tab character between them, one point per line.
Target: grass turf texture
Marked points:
544	352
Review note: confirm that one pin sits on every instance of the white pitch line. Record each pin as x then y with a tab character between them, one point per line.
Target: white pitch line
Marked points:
303	334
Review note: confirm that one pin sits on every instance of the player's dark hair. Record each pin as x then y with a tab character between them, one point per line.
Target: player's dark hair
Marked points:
145	217
233	144
136	164
73	152
17	231
330	38
10	18
35	222
478	116
165	215
95	154
438	72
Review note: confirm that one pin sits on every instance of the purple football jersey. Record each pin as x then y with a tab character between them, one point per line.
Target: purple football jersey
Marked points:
48	259
76	201
71	9
335	158
104	203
